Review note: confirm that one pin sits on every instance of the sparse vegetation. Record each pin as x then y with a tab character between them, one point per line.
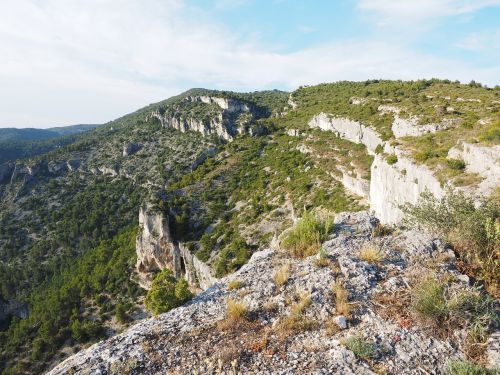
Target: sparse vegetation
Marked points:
473	231
322	259
458	367
360	347
305	238
167	293
236	311
430	300
282	275
371	254
341	296
235	284
391	159
381	230
297	321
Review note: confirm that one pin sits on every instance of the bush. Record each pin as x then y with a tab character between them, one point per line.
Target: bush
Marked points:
306	236
236	310
379	149
456	164
360	347
167	293
391	159
465	368
382	230
473	231
121	313
430	301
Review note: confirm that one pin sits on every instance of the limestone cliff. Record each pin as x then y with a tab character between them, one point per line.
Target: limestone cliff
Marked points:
348	129
157	249
228	116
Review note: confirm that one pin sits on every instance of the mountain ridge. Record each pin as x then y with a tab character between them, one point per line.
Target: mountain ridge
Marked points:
209	201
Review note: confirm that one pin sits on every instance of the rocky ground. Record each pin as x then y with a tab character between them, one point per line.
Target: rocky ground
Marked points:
297	322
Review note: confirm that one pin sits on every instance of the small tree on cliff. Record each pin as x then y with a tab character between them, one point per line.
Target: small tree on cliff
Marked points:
167	293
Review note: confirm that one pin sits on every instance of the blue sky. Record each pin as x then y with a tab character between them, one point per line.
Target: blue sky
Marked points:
90	61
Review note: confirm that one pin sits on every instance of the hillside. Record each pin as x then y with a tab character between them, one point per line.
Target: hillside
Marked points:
202	182
28	142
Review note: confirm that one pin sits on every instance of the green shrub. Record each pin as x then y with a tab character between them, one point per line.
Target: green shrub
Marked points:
121	313
456	164
382	230
458	367
167	293
473	231
430	300
392	159
379	149
305	238
361	348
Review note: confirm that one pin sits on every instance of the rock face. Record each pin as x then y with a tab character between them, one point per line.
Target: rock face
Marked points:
484	161
195	338
155	247
6	172
347	129
156	250
394	185
232	119
130	148
356	185
409	127
13	308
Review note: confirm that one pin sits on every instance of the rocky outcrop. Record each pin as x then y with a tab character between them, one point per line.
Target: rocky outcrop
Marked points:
73	165
356	185
157	249
193	338
13	308
484	161
227	104
130	148
108	171
392	186
233	118
347	129
402	127
155	246
202	157
6	172
409	127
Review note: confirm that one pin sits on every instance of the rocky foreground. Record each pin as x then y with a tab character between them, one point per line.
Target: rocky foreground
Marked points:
294	322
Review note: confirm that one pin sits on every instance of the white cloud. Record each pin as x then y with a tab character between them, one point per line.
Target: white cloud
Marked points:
413	12
71	61
485	41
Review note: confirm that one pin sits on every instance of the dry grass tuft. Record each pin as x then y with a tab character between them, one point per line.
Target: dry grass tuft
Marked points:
236	314
297	321
235	284
322	260
341	296
282	275
371	254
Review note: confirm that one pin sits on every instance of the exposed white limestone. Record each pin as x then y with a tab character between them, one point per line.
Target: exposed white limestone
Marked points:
347	129
155	246
157	249
394	185
482	160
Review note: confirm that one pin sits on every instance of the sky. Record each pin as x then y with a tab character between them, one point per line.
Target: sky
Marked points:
66	62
